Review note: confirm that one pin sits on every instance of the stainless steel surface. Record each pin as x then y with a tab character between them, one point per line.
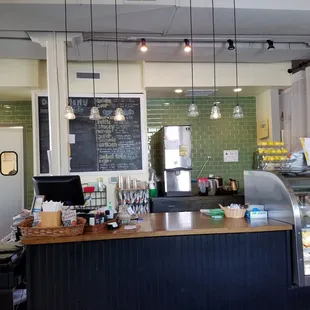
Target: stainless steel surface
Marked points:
178	147
178	181
281	201
172	159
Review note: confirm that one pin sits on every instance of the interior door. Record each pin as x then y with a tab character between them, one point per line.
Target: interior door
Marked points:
11	176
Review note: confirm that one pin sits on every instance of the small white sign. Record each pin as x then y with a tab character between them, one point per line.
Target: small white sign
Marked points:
231	156
71	139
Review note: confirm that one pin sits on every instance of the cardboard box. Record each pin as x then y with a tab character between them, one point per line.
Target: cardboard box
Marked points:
50	219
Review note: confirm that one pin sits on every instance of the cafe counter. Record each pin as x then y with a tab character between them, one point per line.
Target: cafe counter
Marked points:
171	261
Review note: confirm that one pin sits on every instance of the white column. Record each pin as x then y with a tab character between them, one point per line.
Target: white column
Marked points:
55	44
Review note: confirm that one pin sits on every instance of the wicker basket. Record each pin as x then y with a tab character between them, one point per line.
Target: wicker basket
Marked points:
28	231
234	213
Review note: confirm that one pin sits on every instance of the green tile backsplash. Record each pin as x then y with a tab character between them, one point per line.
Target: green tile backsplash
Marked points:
19	113
210	137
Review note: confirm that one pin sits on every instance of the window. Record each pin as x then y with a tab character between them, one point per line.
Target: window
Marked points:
8	163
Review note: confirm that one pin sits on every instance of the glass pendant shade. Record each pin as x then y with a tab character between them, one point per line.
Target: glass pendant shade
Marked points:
193	110
69	113
94	114
119	115
238	112
215	112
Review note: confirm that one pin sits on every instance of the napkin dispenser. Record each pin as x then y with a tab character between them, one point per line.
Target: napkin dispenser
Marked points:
50	219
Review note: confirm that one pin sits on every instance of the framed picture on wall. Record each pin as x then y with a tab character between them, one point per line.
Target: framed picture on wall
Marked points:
263	129
37	203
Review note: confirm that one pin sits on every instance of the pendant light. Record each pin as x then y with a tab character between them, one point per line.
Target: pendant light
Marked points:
237	111
192	109
119	112
69	112
215	111
94	111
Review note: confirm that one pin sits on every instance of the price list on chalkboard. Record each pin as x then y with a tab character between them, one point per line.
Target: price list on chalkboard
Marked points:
104	145
119	143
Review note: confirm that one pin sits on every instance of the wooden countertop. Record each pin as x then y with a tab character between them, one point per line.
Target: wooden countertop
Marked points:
173	224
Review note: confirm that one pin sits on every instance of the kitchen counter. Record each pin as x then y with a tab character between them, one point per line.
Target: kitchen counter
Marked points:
173	224
174	261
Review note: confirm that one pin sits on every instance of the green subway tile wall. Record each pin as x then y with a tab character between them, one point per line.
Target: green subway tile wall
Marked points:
210	137
19	113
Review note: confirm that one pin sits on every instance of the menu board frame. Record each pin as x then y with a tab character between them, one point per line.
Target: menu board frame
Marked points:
143	126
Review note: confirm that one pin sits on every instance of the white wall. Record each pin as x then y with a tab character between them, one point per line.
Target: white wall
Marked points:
131	78
267	107
135	77
19	73
179	74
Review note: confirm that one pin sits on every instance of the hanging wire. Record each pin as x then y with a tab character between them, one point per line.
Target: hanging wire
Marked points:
214	66
192	50
92	49
67	58
116	46
236	51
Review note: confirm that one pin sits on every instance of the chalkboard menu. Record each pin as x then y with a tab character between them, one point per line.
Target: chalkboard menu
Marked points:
104	145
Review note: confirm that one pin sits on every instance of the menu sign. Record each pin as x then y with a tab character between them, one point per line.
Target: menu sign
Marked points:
105	145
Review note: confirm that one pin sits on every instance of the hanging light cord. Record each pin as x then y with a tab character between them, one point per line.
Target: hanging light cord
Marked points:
214	66
67	58
92	49
236	51
192	50
116	45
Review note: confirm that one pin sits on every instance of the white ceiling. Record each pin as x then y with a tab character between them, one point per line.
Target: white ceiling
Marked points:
162	25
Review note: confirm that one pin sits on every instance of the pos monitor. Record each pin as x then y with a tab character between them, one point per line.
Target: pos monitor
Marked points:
66	189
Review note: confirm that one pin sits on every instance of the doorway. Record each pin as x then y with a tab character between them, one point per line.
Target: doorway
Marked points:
11	176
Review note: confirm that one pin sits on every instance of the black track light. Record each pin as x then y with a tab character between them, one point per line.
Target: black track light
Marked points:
231	46
270	45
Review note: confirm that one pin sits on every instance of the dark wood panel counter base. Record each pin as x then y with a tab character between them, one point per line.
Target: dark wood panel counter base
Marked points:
249	271
187	262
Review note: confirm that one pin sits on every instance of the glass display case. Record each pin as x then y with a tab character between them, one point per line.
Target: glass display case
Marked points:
287	199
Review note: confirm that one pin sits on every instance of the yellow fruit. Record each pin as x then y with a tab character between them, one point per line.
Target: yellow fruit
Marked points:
260	151
270	143
279	151
263	143
284	151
